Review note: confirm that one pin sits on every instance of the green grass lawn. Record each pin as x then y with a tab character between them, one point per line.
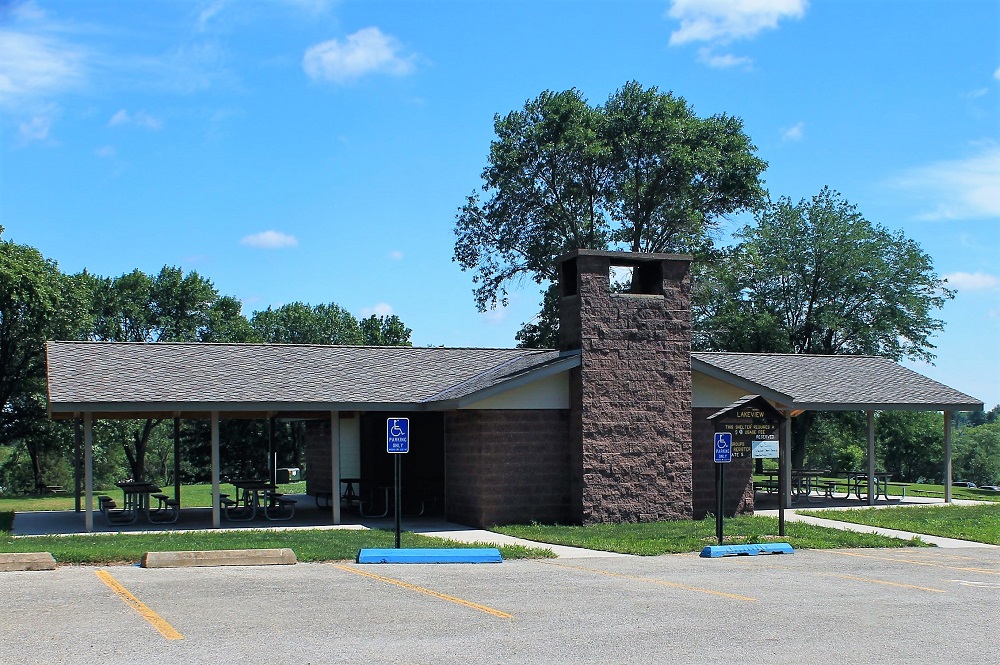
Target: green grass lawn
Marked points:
977	523
192	496
308	545
691	536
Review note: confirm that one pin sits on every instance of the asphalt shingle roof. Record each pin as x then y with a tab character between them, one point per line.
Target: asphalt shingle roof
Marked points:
299	376
105	376
835	382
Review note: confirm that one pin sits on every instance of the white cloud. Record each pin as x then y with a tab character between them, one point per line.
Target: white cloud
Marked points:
996	74
35	66
794	133
966	188
35	129
119	118
208	13
106	151
381	309
314	7
724	21
722	61
395	255
269	240
972	281
140	119
366	51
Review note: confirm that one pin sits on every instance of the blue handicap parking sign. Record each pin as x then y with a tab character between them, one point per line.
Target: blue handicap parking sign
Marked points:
723	447
397	435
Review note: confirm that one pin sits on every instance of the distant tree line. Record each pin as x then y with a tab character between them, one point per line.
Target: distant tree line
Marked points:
38	302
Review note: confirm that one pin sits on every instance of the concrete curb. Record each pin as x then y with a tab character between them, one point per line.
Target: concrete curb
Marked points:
262	557
27	561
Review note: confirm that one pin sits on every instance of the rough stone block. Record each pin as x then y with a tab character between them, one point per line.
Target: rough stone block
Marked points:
22	561
252	557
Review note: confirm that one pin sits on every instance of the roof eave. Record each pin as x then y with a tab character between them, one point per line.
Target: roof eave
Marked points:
781	399
888	406
64	410
563	364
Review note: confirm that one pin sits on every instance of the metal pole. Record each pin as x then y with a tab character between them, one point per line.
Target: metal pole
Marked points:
399	493
720	492
273	453
786	474
947	456
216	508
77	445
88	470
177	460
335	465
871	458
781	483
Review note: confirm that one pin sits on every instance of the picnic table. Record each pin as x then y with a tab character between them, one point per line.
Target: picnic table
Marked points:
255	497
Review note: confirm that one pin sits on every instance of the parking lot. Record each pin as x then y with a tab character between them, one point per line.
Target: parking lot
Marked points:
844	606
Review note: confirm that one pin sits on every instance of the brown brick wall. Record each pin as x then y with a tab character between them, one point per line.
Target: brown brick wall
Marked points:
631	397
507	467
739	473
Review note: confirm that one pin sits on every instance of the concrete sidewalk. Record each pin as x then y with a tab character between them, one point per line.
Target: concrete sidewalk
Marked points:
468	535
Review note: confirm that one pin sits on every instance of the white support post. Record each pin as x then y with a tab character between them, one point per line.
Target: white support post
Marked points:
216	510
871	458
335	464
88	470
947	456
786	468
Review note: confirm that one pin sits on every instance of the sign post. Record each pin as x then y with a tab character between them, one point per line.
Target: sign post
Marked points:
723	456
397	442
747	428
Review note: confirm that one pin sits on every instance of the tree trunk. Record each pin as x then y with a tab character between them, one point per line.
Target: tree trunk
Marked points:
137	461
800	430
36	468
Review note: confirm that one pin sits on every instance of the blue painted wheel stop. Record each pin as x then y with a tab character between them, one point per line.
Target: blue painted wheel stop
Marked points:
430	555
714	551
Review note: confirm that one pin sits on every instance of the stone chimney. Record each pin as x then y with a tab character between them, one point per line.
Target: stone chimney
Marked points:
630	399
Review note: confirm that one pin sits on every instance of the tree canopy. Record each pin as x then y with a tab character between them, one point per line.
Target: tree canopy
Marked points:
38	303
642	172
817	277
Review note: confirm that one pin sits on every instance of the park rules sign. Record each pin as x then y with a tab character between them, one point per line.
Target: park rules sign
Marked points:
746	426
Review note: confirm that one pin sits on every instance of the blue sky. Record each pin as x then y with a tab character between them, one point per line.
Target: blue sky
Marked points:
317	151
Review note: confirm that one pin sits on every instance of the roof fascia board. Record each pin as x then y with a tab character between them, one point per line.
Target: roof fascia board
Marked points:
887	406
207	407
781	399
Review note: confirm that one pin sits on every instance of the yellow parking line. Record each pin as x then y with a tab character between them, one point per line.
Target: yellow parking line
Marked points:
429	592
655	581
915	563
899	584
149	615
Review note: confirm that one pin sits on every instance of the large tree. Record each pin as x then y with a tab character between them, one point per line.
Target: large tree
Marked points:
169	307
301	323
641	173
37	303
817	277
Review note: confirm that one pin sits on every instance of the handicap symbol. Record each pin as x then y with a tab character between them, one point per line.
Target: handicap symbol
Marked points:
396	430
